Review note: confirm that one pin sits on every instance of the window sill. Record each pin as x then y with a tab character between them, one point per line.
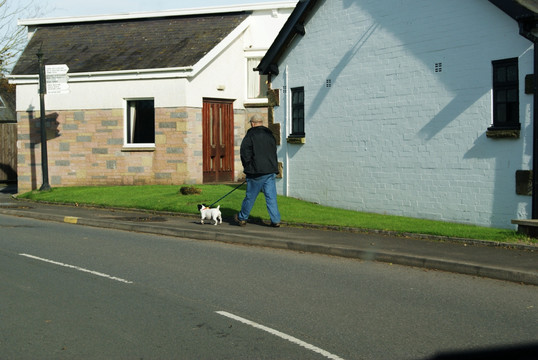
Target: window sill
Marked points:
496	133
135	148
296	140
261	102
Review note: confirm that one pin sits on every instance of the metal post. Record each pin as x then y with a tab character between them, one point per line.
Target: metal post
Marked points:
535	136
42	92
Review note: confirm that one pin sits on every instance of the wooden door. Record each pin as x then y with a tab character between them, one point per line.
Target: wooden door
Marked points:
8	152
218	140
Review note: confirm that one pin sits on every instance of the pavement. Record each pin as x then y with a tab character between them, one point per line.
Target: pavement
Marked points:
501	261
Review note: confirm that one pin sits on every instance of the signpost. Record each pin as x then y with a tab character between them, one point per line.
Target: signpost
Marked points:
57	79
42	92
52	80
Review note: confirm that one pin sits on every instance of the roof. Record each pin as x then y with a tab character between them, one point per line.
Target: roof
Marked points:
517	9
139	43
524	12
293	26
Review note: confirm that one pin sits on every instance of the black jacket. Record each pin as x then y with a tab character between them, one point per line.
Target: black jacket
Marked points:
258	152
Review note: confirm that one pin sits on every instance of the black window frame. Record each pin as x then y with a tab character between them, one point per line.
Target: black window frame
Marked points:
297	112
506	94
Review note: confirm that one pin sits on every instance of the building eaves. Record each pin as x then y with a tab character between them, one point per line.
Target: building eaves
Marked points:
524	12
531	5
513	8
295	25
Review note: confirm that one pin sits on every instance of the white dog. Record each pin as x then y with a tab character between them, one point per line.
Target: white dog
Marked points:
210	214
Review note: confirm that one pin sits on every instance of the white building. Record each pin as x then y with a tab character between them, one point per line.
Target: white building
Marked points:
415	108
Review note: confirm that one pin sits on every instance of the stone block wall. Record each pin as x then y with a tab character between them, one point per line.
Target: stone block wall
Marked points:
85	148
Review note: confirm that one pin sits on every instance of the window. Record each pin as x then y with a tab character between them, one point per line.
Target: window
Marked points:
506	94
257	84
140	122
297	111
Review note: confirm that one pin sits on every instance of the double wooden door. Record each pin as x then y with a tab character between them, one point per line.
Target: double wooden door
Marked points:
218	140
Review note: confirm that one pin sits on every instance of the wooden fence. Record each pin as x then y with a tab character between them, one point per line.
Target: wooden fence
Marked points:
8	152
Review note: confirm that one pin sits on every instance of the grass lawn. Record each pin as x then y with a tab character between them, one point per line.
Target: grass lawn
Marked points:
293	211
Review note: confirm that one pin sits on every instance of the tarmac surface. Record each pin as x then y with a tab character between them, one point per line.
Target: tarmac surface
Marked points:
508	262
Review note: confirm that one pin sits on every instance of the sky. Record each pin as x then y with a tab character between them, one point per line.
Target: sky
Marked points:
63	8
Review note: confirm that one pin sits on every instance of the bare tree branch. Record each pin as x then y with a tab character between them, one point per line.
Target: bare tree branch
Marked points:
13	38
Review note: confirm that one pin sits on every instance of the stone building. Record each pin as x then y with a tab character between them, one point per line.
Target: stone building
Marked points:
153	98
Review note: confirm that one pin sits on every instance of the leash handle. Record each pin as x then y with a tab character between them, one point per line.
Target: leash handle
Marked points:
237	187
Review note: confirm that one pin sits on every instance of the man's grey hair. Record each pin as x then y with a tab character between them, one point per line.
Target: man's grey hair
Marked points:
256	119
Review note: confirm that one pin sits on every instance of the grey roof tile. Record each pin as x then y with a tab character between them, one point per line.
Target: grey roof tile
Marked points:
128	44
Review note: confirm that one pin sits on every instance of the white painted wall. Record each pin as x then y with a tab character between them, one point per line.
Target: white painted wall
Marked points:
393	136
226	76
104	94
226	72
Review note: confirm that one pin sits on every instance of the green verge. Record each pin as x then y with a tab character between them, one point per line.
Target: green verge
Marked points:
294	211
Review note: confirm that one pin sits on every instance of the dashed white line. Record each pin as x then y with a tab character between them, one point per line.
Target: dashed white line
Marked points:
282	335
77	268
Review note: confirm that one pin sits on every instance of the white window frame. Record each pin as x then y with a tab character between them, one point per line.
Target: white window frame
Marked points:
126	117
252	59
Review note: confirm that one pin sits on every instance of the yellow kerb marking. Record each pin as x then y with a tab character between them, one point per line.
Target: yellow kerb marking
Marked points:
71	219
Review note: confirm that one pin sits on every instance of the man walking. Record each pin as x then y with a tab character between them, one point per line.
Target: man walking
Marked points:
260	164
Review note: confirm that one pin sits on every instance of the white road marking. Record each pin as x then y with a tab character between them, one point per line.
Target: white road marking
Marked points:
290	338
77	268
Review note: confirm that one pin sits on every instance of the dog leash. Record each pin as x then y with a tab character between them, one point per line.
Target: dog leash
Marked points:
237	187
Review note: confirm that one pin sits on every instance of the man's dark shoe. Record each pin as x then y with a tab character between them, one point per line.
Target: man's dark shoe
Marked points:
275	224
239	222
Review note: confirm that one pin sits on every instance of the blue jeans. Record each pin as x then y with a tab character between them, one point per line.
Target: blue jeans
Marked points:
265	183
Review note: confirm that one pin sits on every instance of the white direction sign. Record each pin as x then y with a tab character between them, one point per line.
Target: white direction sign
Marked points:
56	76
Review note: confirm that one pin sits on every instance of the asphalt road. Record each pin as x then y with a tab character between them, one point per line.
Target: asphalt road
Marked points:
70	291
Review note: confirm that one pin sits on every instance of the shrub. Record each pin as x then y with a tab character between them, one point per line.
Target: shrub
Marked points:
190	190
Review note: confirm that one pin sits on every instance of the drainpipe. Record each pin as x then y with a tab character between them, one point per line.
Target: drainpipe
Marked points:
287	122
528	25
535	136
